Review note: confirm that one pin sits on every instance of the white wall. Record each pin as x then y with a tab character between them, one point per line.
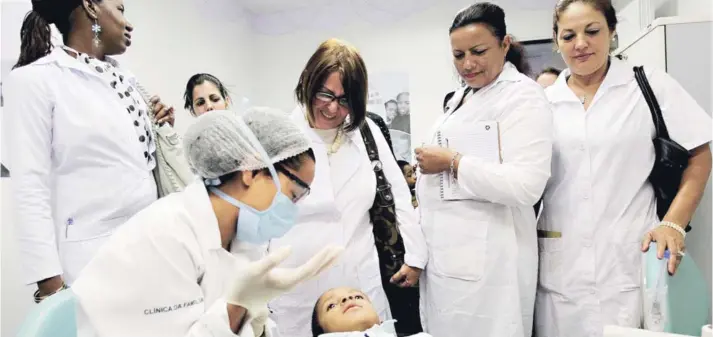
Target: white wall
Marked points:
418	45
168	47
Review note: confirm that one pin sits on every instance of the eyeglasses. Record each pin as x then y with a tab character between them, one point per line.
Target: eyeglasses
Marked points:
326	97
304	189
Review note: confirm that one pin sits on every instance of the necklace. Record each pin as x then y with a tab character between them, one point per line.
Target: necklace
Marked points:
337	143
583	99
338	139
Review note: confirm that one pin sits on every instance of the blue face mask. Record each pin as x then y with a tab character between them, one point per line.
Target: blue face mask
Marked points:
256	226
259	227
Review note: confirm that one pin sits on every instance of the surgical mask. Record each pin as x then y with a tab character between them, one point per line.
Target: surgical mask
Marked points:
256	226
259	227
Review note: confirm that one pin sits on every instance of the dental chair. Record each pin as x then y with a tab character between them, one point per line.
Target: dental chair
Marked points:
56	316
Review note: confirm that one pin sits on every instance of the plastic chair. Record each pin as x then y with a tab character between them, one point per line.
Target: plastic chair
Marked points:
54	317
688	296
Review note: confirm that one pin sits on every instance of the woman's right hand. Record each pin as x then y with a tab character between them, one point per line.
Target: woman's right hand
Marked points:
262	281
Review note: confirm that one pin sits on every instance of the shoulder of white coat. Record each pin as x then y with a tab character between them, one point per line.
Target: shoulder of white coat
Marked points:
525	91
162	219
33	76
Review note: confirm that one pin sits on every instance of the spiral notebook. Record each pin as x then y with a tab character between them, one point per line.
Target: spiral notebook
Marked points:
482	141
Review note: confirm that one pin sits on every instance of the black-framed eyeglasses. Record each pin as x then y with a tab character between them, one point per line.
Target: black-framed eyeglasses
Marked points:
326	97
304	188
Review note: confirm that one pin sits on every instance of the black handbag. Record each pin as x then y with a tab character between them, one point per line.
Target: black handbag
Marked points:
671	158
390	246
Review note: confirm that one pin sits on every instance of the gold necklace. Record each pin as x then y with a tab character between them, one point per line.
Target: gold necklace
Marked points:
338	139
337	143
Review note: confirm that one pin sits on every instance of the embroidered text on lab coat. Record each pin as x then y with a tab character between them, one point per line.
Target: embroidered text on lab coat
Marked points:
164	309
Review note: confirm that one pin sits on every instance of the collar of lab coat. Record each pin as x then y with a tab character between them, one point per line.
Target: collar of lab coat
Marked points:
620	73
60	58
385	329
197	203
508	74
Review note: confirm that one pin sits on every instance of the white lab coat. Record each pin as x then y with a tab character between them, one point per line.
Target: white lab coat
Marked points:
600	201
337	212
385	329
482	270
78	170
164	273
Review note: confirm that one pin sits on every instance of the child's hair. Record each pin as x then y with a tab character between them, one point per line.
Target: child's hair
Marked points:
316	328
402	164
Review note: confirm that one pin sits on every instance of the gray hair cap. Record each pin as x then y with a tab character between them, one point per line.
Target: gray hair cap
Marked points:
218	142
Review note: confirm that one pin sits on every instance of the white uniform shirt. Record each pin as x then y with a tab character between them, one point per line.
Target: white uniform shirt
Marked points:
164	273
482	266
600	201
337	212
385	329
78	169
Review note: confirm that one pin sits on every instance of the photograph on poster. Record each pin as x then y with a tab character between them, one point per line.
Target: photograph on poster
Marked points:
542	54
389	97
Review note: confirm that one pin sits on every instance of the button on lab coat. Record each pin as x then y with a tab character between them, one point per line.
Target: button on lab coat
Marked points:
164	273
482	270
78	169
337	212
600	201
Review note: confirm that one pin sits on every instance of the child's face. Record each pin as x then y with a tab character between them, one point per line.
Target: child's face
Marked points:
345	310
410	175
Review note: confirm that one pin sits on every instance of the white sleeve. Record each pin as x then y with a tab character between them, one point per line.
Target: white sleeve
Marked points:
526	143
687	123
28	114
146	284
414	241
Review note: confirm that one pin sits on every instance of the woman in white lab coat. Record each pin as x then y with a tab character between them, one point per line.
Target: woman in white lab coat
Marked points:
482	263
598	205
182	266
84	152
332	94
204	93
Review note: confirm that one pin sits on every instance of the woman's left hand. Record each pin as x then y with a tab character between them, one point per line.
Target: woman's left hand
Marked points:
666	238
434	159
406	277
161	112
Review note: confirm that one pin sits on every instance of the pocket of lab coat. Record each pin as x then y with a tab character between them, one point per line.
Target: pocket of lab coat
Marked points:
78	232
628	257
460	251
82	242
550	262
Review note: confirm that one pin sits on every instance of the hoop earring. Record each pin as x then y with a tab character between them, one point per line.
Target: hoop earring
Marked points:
96	28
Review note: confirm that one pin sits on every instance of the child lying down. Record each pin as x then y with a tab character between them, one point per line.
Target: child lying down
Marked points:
347	312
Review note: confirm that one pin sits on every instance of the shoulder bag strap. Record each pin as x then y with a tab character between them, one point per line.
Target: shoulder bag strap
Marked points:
450	95
656	115
382	184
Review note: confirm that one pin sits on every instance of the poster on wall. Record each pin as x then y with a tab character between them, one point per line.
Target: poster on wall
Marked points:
389	97
542	54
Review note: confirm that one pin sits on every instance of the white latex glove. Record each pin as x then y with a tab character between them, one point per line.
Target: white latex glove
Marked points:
261	281
258	321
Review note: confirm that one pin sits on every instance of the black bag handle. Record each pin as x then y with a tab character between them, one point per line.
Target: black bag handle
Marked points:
382	185
656	115
451	94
